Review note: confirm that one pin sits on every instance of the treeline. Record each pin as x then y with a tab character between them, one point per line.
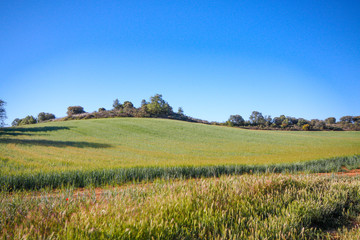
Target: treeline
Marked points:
258	121
157	107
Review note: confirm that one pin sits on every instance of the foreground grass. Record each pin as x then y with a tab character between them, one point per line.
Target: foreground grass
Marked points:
131	142
229	207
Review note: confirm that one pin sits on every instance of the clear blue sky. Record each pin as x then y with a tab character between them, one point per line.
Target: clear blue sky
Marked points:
213	58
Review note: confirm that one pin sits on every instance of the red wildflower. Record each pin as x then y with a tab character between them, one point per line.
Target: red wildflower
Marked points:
67	199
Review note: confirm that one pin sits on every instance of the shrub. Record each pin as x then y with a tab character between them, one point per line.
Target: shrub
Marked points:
330	120
74	110
158	106
27	120
236	120
16	122
45	116
346	119
117	105
306	127
101	110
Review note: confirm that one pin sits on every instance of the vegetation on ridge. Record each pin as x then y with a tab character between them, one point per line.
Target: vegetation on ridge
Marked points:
159	108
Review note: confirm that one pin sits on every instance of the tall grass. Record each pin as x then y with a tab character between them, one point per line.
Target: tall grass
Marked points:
117	176
230	207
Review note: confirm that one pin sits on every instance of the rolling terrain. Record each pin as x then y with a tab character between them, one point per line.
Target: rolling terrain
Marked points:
178	182
139	142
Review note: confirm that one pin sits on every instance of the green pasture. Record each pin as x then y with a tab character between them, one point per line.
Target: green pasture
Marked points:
138	142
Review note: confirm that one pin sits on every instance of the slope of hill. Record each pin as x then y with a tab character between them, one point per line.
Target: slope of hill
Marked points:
129	142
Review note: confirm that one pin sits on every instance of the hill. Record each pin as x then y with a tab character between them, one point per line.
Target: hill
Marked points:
130	142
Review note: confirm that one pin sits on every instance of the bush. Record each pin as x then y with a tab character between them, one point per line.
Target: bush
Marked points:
158	106
45	116
101	110
16	122
27	120
330	120
306	127
74	110
236	120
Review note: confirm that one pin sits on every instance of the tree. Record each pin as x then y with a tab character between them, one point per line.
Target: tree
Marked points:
306	127
256	118
320	125
75	110
2	113
159	106
346	119
236	120
180	111
268	120
45	116
330	120
302	122
128	105
16	122
27	120
117	105
356	119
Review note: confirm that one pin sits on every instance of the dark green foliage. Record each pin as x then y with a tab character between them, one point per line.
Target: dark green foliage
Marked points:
256	118
236	120
24	121
180	111
45	116
117	105
330	120
2	113
128	107
302	122
158	106
356	119
346	119
16	122
101	177
128	104
72	110
321	125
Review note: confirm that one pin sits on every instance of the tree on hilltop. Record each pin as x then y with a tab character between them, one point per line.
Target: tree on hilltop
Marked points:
2	113
236	120
158	106
75	110
117	105
45	116
256	118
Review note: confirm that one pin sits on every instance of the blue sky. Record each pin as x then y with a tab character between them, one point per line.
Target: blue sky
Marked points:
213	58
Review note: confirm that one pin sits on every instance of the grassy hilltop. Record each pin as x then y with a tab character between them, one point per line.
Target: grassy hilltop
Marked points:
129	142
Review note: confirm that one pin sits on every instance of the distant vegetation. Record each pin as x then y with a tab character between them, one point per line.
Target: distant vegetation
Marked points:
159	108
2	113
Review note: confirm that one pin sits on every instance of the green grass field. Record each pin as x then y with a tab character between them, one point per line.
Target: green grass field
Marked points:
129	142
165	156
